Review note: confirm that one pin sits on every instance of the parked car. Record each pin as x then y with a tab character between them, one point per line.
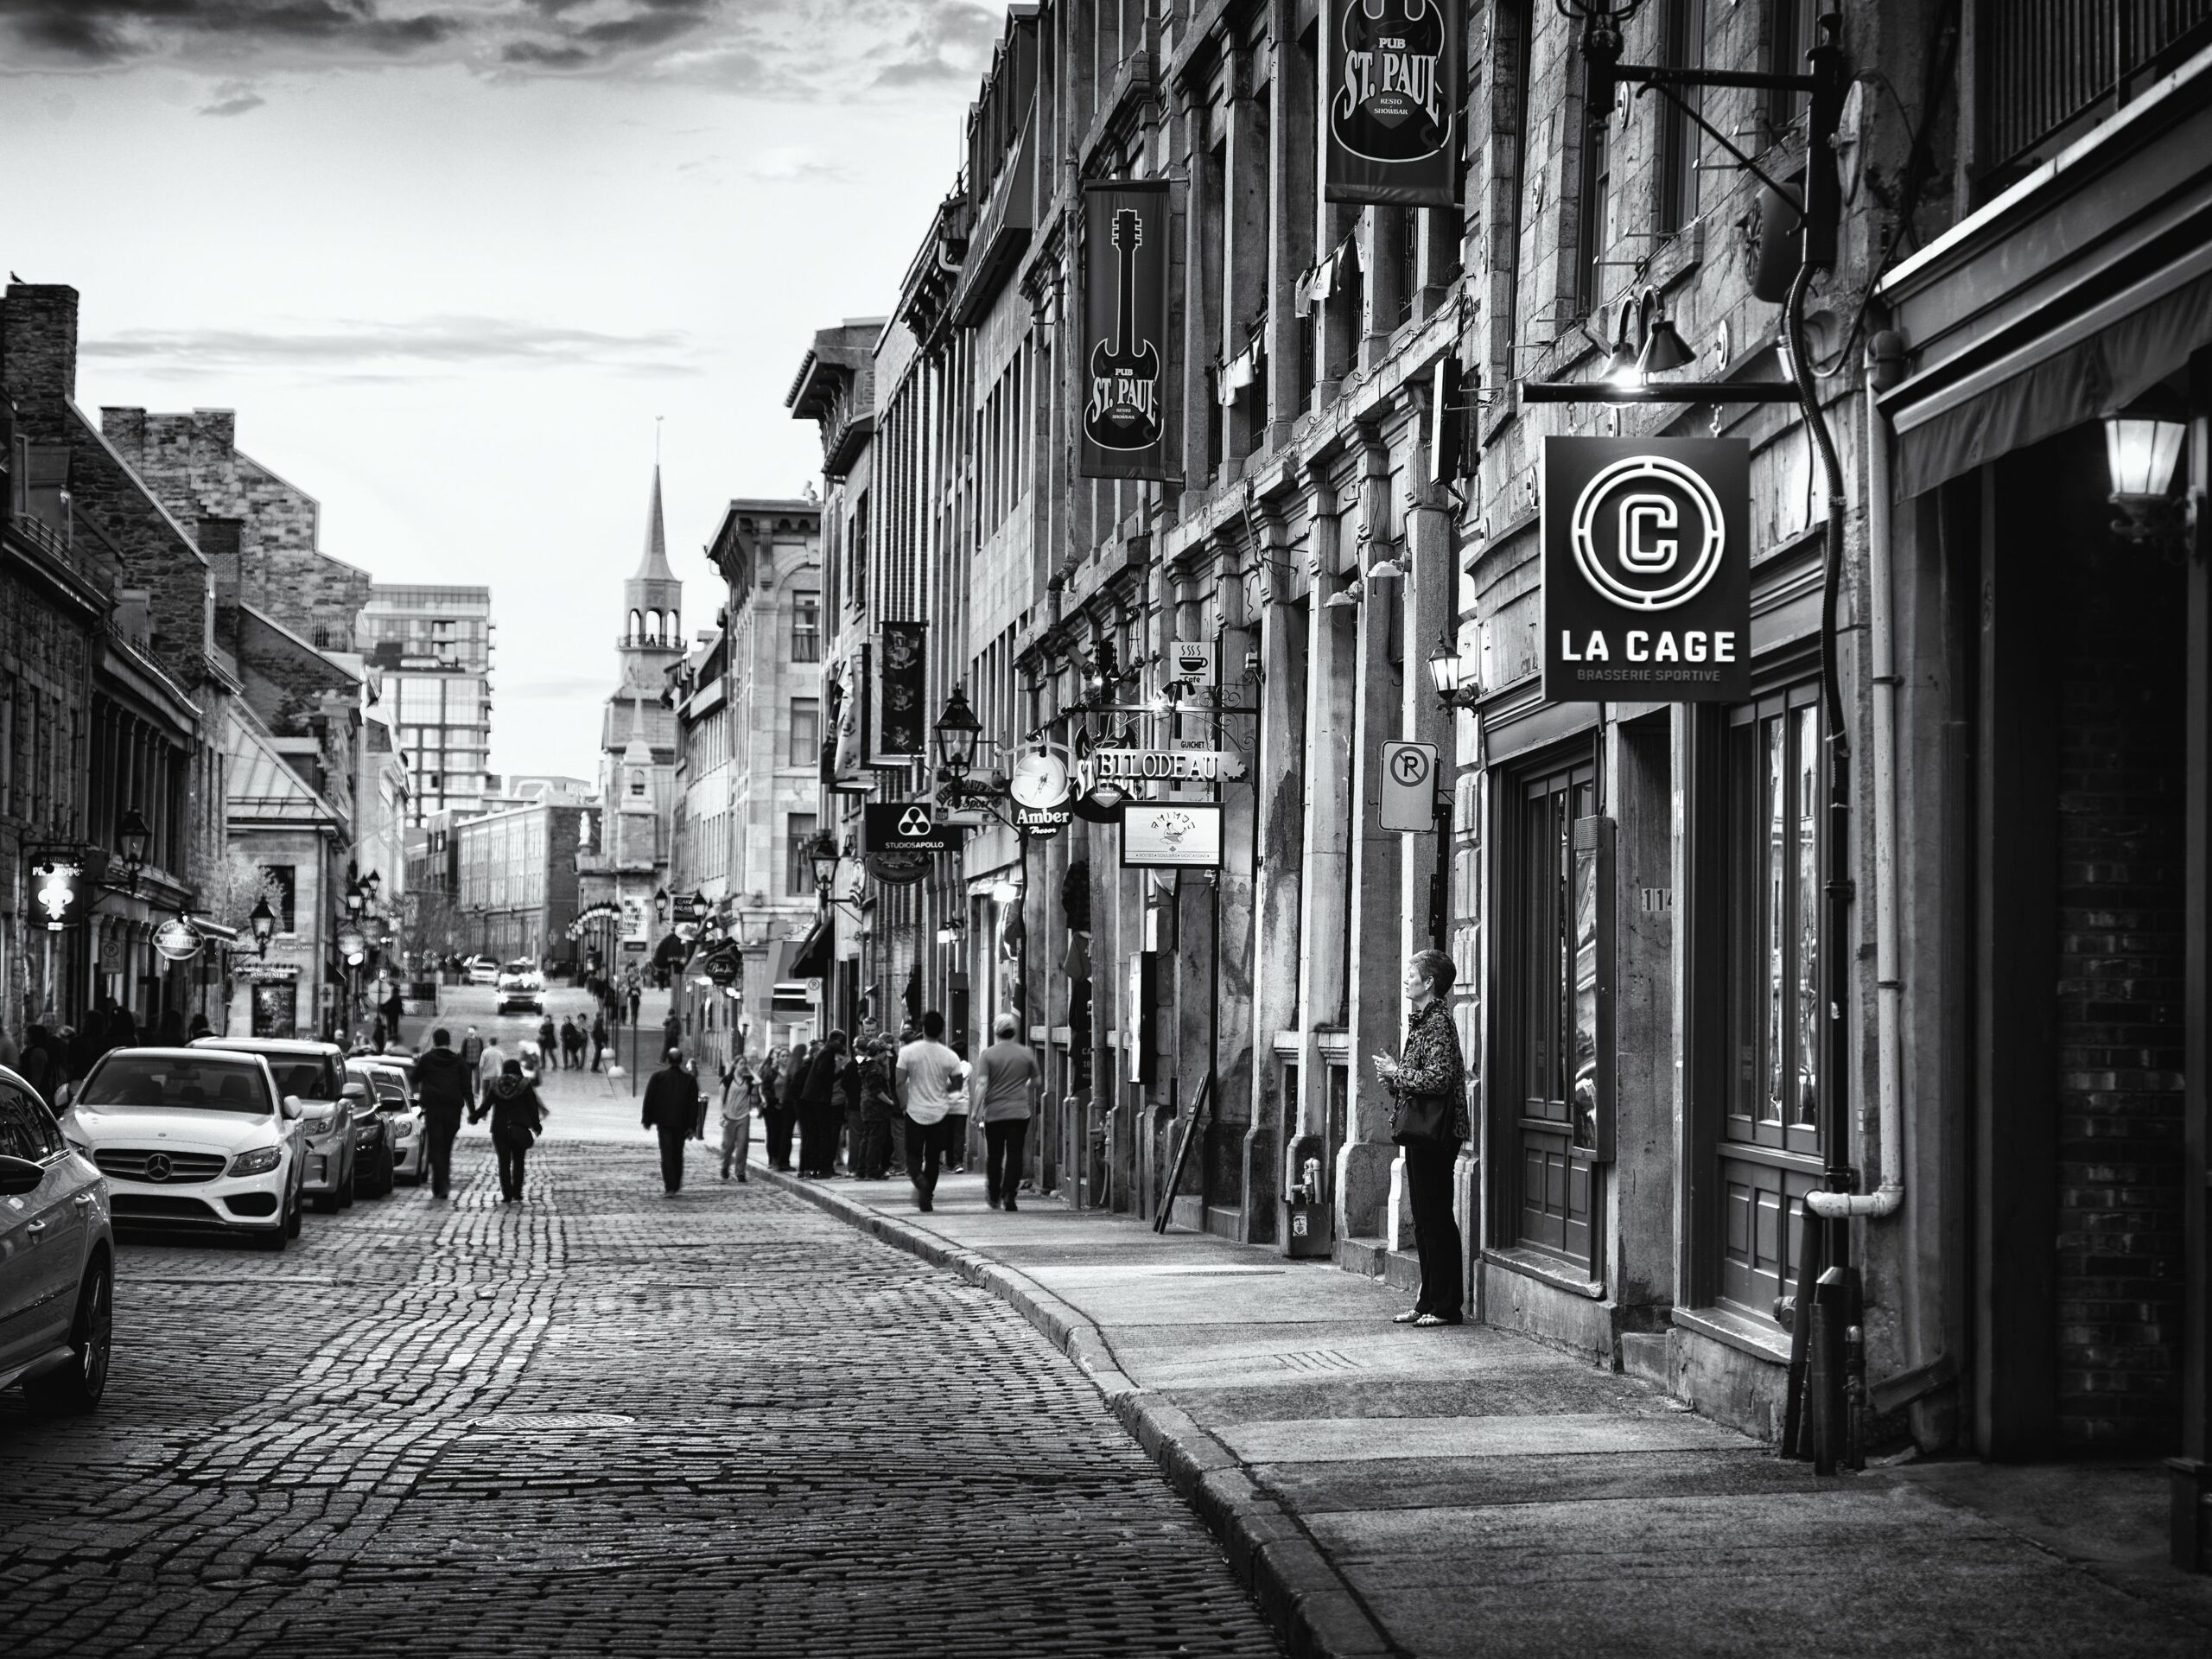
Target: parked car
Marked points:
57	1259
192	1138
391	1094
522	989
482	970
316	1072
372	1158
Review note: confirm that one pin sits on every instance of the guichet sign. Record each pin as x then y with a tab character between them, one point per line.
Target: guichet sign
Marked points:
1647	593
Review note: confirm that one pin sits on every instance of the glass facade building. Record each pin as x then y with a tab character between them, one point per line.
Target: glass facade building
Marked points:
434	646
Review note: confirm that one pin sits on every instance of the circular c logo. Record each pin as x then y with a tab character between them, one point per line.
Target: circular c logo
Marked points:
1648	533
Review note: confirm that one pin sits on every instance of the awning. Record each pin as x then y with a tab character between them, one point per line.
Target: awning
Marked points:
2065	298
811	960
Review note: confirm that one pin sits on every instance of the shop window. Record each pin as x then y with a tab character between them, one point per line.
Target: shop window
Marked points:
806	628
1770	1131
806	731
798	857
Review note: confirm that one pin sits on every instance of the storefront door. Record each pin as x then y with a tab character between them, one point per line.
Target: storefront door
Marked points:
1549	1208
1769	1148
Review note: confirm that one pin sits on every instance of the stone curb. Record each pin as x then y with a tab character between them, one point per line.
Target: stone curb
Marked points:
1303	1596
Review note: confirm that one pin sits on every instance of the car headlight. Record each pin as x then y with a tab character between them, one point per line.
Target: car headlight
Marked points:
259	1161
318	1125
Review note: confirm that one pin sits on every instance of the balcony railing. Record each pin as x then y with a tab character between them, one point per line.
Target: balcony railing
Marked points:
2047	63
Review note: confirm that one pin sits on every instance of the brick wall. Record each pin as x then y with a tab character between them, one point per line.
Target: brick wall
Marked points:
192	462
2121	667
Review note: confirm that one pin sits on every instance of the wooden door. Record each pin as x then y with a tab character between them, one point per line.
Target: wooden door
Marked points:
1551	1180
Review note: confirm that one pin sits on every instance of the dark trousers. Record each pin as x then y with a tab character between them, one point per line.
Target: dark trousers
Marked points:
1436	1231
439	1129
956	1140
925	1144
672	1137
597	1050
1003	1142
510	1156
872	1161
818	1123
778	1136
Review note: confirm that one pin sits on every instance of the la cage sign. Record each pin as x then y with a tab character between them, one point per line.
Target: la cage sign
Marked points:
1647	569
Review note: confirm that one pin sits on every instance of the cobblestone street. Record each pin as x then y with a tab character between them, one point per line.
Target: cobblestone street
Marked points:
606	1421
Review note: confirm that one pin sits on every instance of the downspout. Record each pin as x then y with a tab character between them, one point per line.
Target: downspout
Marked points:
1889	992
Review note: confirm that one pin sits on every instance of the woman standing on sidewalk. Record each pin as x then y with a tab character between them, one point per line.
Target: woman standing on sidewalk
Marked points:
820	1107
517	1116
1429	1081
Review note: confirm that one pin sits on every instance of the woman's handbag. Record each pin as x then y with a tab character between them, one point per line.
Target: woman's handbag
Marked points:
1423	1120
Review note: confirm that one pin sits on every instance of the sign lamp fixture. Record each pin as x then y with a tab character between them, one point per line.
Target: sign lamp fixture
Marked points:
132	836
262	922
660	903
1447	672
2142	447
957	734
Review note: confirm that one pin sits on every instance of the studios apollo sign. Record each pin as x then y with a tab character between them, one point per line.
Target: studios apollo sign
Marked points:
1647	593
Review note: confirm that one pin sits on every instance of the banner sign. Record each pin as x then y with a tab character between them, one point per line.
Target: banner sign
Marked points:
1123	429
849	768
905	826
1647	569
1170	836
900	729
1390	84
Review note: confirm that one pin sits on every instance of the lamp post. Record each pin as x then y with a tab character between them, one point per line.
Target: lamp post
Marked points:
132	836
262	922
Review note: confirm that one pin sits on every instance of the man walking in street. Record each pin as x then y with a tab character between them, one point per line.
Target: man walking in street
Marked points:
445	1086
1003	1094
598	1039
671	1102
489	1064
928	1074
471	1055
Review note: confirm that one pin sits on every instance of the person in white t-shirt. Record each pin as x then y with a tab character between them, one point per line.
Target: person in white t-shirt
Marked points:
929	1077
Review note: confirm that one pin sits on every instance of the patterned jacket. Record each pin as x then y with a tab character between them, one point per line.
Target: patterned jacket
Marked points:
1430	1064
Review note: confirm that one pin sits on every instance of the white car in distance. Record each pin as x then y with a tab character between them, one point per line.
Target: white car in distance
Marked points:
196	1140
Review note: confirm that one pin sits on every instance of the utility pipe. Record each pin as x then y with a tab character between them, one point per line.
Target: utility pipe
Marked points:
1889	993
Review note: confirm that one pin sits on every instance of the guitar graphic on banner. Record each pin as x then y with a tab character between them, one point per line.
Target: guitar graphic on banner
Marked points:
1123	410
1389	107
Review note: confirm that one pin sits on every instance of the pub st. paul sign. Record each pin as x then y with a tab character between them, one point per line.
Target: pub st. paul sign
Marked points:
1647	569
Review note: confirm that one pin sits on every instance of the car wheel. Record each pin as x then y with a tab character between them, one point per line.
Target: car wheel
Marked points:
345	1199
292	1218
277	1238
78	1387
387	1177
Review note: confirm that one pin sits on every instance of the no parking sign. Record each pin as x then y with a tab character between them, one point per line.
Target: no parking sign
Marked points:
1409	785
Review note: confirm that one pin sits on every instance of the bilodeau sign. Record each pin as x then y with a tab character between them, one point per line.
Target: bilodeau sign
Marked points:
1647	593
1130	767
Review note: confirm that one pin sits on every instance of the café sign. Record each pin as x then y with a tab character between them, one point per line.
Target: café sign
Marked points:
1646	569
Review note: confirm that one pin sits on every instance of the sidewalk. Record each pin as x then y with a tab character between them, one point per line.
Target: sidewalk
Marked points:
1384	1490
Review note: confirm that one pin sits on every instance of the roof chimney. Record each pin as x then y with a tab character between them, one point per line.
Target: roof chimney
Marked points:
38	346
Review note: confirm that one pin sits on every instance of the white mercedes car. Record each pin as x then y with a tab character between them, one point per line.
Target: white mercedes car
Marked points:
191	1138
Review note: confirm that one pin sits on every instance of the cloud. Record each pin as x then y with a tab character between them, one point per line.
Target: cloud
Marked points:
233	97
793	164
575	685
391	352
787	48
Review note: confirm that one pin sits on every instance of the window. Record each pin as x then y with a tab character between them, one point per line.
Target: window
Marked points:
636	627
799	855
806	731
321	636
1681	47
1770	1133
806	627
1790	34
1595	202
637	782
286	878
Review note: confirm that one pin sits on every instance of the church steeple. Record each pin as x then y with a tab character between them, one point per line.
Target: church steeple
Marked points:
654	566
652	602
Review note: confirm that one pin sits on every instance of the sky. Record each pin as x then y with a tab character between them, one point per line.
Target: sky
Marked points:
459	265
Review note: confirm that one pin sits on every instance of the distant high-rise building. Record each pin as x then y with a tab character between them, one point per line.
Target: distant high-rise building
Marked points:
434	645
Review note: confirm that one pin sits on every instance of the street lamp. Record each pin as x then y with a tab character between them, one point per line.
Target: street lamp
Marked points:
262	922
1447	672
660	905
825	856
132	836
702	907
957	732
355	899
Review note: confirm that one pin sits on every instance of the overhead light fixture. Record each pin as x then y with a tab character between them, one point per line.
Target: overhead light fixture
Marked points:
2143	445
1622	367
1347	597
1386	569
1447	673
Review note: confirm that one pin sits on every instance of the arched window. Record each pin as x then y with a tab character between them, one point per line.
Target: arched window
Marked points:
637	627
636	780
674	628
322	636
652	627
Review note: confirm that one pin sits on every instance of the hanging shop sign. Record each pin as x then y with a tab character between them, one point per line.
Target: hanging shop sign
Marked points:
177	939
1170	836
898	867
1123	431
353	947
849	768
58	889
1039	780
1191	662
1647	569
1391	86
1042	824
897	728
723	965
907	826
1161	766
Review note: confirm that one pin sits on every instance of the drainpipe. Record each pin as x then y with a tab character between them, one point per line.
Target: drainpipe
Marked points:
1889	992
